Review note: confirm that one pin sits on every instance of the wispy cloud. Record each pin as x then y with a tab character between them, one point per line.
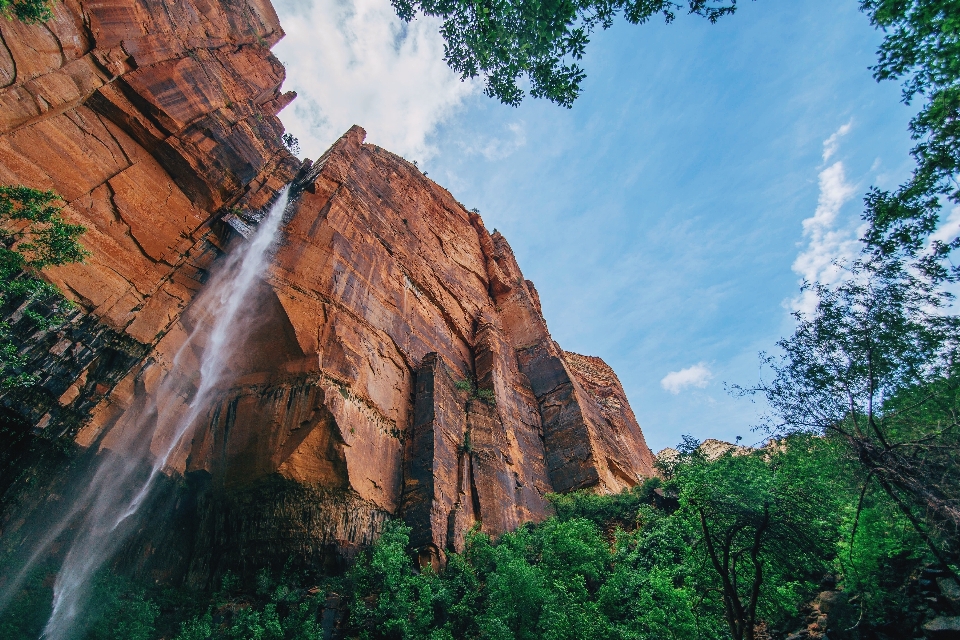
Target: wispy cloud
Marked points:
696	376
831	144
355	62
949	228
498	147
829	241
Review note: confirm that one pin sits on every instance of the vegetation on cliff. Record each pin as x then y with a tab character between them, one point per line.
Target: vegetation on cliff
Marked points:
859	493
29	11
33	235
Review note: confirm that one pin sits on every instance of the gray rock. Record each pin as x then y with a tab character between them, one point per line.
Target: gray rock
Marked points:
829	600
949	589
943	628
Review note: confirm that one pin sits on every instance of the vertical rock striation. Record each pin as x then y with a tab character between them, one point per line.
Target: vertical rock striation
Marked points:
416	370
400	365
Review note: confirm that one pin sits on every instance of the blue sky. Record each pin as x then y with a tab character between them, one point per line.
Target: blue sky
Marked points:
667	218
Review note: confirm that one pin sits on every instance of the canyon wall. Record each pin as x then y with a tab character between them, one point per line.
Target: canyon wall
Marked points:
400	363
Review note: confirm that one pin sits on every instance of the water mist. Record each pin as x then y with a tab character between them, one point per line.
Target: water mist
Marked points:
104	515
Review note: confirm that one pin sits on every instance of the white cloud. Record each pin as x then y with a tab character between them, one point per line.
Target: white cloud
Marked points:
354	62
949	228
829	241
696	376
497	148
831	144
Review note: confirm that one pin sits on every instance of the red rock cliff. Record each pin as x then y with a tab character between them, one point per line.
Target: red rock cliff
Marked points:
148	117
401	365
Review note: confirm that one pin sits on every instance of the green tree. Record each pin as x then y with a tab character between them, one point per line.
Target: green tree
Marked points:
29	11
391	600
507	42
765	525
33	235
875	365
921	47
651	592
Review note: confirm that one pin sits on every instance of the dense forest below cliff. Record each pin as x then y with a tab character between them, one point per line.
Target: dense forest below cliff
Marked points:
732	542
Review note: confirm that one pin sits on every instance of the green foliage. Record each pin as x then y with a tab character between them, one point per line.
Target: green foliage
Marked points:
33	235
274	612
767	525
198	628
921	47
621	566
391	601
122	612
119	609
622	509
25	615
875	364
29	11
631	566
507	43
880	558
486	396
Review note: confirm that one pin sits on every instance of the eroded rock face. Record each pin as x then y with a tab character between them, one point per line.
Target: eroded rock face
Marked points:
421	375
400	365
148	117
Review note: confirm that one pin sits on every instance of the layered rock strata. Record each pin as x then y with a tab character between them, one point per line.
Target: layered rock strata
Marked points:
148	118
400	364
411	365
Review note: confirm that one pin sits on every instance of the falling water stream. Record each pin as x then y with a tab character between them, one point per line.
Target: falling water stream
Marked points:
104	515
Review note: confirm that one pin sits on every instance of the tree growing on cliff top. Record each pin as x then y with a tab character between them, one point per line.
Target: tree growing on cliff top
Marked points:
33	235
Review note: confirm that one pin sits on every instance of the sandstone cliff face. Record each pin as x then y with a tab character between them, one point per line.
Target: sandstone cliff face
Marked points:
147	117
417	371
400	364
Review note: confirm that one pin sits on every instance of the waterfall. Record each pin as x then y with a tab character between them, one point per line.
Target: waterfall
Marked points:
104	514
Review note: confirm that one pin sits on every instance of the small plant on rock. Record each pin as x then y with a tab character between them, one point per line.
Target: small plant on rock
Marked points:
483	395
28	11
33	235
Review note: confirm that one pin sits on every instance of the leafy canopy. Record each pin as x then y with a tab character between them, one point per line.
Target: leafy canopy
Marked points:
631	566
876	365
509	42
921	47
766	523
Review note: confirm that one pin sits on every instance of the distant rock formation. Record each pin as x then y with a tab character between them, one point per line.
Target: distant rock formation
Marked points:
401	364
711	448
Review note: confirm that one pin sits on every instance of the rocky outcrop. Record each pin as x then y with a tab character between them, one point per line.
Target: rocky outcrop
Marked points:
400	363
149	118
410	364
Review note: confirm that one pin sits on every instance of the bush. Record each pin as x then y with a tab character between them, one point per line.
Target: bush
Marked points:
29	11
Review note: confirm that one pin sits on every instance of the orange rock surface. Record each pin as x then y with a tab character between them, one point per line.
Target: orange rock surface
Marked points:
148	118
416	370
400	365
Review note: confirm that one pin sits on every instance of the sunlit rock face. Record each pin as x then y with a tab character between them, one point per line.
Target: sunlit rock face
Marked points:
149	118
417	369
399	365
